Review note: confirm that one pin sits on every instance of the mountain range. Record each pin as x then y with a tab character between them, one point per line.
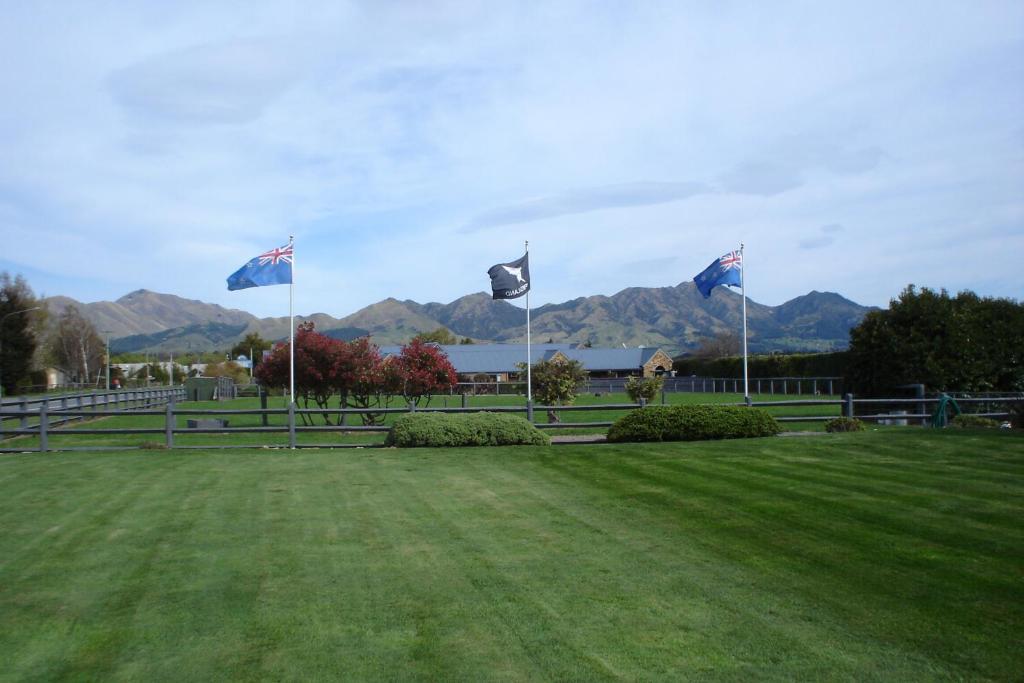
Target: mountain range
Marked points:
675	318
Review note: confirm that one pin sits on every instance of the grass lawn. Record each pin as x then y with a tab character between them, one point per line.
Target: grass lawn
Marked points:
893	555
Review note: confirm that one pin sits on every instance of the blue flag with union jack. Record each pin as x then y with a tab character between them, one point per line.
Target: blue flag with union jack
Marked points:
725	270
271	268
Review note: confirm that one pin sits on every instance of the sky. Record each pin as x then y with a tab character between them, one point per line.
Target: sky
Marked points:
852	147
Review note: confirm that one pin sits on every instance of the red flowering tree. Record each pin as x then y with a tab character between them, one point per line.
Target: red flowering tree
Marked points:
314	359
421	370
358	374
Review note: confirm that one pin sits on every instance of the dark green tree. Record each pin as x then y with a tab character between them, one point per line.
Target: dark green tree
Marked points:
441	335
961	343
18	331
252	347
555	382
228	368
645	388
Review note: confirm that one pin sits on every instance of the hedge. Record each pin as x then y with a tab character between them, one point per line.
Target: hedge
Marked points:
965	421
776	365
844	424
472	429
693	423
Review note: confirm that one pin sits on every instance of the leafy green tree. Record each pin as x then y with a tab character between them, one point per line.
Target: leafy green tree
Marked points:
441	335
18	331
556	382
228	368
252	347
645	388
466	340
962	343
157	373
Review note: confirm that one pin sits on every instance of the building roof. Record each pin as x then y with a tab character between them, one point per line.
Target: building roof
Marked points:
596	360
488	358
498	358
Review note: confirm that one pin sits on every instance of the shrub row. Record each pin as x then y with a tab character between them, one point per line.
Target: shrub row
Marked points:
966	421
1017	415
793	365
693	423
473	429
844	424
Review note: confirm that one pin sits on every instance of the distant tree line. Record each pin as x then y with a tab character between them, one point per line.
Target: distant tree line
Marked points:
948	343
20	330
777	365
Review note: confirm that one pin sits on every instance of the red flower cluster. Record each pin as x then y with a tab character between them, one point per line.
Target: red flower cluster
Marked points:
356	372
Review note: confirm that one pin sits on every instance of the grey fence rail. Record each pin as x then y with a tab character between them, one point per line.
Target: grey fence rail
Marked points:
63	408
41	418
829	386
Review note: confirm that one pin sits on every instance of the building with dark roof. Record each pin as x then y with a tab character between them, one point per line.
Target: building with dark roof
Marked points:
500	361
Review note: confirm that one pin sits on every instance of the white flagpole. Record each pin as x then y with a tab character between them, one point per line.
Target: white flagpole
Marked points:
529	384
291	326
743	293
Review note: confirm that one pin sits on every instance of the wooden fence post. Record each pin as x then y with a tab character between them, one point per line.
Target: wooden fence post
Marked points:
848	405
291	425
43	440
263	405
169	424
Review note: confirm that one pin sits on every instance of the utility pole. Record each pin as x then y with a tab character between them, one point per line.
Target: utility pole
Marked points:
107	332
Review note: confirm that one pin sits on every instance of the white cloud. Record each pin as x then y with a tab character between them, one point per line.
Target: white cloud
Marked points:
176	144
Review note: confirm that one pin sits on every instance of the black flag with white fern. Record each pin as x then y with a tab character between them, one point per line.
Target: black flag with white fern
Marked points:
510	280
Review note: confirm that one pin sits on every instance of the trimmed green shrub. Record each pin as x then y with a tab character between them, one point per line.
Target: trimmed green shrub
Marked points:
964	421
472	429
693	423
844	424
645	388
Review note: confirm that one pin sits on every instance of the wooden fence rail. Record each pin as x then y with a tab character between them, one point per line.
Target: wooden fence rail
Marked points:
41	418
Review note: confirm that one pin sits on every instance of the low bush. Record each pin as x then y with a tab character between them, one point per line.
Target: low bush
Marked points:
473	429
963	421
844	424
1017	415
645	388
692	423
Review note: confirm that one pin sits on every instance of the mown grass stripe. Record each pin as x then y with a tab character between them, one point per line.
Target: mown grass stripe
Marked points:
814	548
616	562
